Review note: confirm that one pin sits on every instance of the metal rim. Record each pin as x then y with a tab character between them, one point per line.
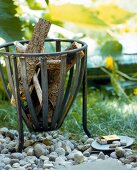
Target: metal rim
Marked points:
84	45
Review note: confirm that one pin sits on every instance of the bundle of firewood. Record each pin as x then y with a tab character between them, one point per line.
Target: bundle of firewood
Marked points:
36	45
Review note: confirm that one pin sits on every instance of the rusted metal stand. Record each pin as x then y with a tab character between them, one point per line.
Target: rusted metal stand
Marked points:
68	88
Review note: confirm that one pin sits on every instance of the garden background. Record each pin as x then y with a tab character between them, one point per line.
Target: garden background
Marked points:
110	30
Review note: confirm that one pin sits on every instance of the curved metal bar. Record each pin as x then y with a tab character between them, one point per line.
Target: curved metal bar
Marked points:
61	92
62	53
28	97
72	94
84	105
67	91
26	120
58	45
18	104
44	80
81	74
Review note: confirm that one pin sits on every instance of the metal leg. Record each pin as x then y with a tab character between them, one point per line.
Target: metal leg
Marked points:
18	104
84	105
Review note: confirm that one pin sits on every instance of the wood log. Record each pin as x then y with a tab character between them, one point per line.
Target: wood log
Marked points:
54	76
35	45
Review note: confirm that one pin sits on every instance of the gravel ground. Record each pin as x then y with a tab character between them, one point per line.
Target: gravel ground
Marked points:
52	150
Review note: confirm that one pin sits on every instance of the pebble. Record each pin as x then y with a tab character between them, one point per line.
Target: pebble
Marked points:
14	161
116	143
17	155
129	166
86	153
101	156
30	151
4	151
8	167
67	148
53	156
134	164
48	166
59	161
40	149
61	151
113	155
123	143
78	157
93	158
128	152
10	135
16	165
131	158
1	147
6	160
113	145
120	152
83	147
89	141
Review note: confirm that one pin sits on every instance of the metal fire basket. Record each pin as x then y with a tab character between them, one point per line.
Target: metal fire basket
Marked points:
68	87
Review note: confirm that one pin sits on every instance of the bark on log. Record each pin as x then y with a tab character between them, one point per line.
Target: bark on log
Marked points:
35	45
54	76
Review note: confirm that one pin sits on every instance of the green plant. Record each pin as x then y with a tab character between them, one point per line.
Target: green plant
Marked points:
106	115
8	115
10	25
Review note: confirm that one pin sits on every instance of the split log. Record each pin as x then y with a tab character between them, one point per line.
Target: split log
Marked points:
35	45
37	86
54	76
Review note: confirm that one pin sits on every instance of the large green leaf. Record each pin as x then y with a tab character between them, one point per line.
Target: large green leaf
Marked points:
47	1
112	48
10	26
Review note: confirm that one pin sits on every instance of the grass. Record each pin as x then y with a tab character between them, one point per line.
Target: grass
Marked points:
8	115
106	115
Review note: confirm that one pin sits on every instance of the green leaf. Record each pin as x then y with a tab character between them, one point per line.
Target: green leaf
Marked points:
112	48
47	1
10	25
117	87
35	5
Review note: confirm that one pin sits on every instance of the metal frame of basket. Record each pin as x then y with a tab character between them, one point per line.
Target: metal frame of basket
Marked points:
77	75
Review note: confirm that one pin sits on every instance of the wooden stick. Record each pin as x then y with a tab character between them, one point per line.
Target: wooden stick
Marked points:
37	87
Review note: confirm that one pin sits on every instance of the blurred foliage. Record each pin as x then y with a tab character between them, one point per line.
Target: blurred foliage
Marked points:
35	5
112	48
112	14
90	17
8	116
3	95
10	25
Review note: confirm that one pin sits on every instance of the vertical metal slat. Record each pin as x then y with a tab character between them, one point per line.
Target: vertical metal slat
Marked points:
44	79
26	89
61	92
58	46
84	104
72	93
18	104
